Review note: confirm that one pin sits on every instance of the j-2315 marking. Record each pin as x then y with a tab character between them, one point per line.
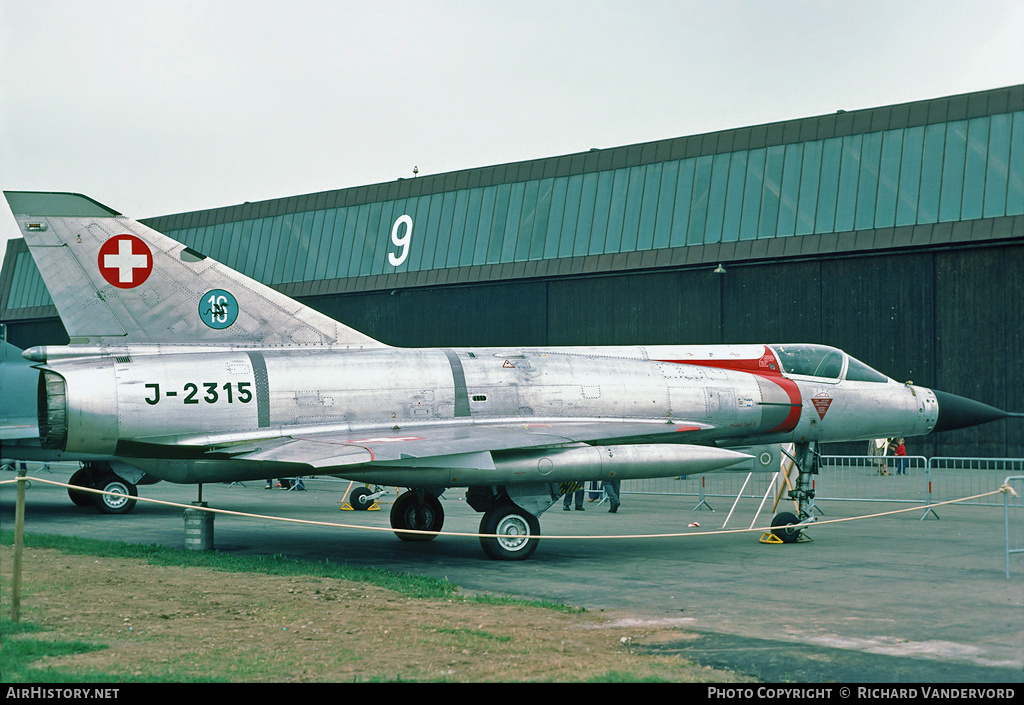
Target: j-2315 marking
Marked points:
238	391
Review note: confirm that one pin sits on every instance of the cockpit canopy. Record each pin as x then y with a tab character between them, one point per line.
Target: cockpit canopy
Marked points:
825	362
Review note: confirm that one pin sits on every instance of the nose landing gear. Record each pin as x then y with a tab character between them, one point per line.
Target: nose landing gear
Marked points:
788	527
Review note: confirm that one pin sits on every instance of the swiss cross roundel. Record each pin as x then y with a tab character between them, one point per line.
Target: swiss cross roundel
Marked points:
125	261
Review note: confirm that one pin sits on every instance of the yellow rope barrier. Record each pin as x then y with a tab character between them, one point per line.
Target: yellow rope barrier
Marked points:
1002	490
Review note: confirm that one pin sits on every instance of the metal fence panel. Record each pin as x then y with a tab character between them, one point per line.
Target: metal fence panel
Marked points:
873	478
967	477
1013	513
861	478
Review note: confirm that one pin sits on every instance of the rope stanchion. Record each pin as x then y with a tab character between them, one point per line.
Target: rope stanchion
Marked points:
19	544
578	537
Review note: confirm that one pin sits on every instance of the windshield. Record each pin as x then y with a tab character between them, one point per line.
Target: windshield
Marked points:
823	361
810	360
859	372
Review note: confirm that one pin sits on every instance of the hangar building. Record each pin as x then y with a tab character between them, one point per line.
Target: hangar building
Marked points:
895	233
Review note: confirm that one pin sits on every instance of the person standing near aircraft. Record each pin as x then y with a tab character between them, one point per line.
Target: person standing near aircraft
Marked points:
576	494
611	490
900	451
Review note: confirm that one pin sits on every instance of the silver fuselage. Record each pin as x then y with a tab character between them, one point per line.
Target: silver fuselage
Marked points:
729	395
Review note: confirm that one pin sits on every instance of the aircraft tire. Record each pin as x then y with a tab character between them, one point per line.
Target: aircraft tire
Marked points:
358	498
80	478
517	532
107	504
408	513
786	533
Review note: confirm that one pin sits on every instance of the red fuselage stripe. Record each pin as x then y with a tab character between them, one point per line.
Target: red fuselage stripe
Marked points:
766	367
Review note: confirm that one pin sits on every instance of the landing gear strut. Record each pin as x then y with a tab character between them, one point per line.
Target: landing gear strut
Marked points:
787	526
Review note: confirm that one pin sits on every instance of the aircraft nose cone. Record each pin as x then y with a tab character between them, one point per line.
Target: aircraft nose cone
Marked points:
961	412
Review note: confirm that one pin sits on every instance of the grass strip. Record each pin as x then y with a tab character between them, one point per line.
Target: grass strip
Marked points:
417	586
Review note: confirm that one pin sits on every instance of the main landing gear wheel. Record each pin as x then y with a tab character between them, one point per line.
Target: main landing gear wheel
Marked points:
81	479
787	530
109	504
419	511
99	476
516	531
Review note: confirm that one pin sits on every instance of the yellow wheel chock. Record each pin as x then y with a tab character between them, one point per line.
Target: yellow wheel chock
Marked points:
346	507
769	537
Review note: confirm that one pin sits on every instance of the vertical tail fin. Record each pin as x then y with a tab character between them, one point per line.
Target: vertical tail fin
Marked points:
116	282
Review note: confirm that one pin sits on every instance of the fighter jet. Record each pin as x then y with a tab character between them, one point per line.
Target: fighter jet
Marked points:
187	370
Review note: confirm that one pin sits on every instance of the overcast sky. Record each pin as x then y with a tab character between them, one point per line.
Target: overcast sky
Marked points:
163	106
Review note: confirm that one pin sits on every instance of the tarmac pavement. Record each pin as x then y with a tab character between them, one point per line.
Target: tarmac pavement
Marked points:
880	600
